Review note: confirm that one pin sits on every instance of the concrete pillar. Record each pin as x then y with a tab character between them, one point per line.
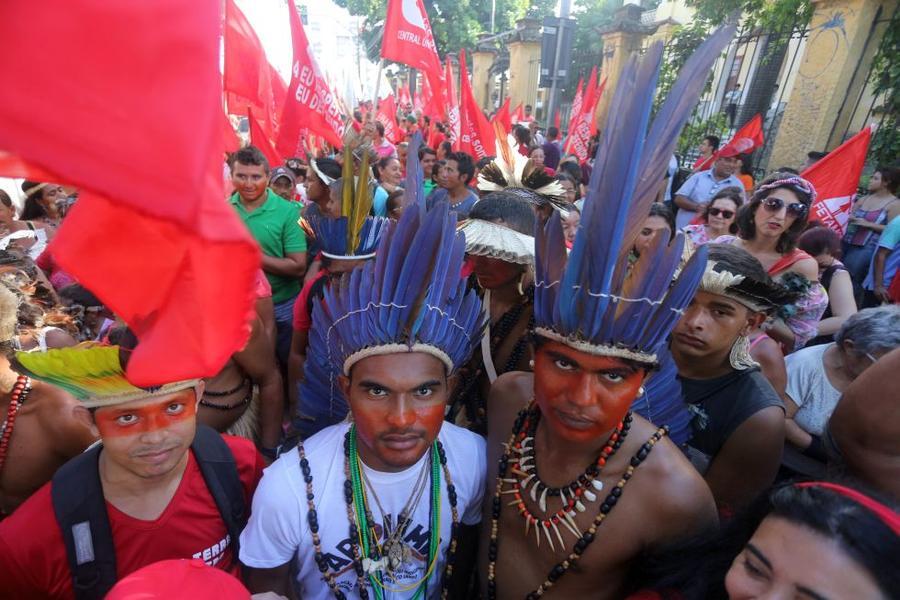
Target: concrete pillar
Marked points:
623	38
524	62
482	61
834	65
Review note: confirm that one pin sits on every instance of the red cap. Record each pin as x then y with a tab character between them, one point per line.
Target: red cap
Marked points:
179	578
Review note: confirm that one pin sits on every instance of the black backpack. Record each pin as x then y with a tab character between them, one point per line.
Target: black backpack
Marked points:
81	510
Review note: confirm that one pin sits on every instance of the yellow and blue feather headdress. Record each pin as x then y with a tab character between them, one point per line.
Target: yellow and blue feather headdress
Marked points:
592	300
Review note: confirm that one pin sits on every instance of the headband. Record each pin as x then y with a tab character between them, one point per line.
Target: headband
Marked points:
885	514
325	178
798	182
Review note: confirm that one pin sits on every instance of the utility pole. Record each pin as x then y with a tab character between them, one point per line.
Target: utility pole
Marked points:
565	8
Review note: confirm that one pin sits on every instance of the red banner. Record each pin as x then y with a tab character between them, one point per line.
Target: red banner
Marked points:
260	139
451	106
744	141
518	115
836	178
503	117
576	107
580	136
165	254
403	100
477	135
407	36
310	103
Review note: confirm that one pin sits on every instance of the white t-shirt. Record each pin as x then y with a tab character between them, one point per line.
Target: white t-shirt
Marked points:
278	530
809	388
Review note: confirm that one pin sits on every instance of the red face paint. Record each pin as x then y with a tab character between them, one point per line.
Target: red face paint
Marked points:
582	396
118	421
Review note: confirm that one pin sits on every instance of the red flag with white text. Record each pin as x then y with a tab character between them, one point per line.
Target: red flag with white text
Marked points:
403	100
579	139
407	36
451	105
576	106
836	178
310	103
164	253
477	134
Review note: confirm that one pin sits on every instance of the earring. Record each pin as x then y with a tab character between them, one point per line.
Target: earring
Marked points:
641	391
740	358
521	279
531	363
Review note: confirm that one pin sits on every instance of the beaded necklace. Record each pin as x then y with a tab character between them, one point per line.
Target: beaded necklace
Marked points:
363	541
526	422
20	392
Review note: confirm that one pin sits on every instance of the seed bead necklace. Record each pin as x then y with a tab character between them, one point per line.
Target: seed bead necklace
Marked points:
359	534
520	429
20	392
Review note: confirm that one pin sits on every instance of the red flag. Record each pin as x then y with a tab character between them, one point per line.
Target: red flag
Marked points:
249	79
310	103
164	253
403	97
580	136
451	105
587	106
503	117
836	178
556	121
576	108
518	115
477	135
232	142
387	116
259	139
432	92
745	140
407	36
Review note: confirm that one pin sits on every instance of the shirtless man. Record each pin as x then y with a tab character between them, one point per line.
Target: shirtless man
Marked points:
577	486
40	429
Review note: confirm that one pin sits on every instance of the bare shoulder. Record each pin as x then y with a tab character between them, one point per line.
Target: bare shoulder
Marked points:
509	394
682	501
808	267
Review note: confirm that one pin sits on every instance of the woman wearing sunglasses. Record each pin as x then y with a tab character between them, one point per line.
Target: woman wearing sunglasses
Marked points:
717	218
768	228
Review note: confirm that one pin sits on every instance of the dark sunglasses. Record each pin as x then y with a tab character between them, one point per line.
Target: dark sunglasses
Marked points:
726	214
797	209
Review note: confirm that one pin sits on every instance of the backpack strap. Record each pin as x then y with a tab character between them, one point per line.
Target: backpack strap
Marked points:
220	473
80	509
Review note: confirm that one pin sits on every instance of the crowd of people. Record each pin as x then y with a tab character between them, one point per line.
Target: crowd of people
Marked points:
513	377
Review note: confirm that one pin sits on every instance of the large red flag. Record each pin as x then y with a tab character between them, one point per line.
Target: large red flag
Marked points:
310	103
576	109
580	137
260	139
745	140
503	117
477	134
431	94
407	36
387	116
165	253
836	178
451	105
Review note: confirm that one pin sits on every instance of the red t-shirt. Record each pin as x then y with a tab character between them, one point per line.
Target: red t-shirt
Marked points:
302	316
33	561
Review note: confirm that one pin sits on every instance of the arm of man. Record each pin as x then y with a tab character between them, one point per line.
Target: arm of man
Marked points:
686	203
275	580
749	460
296	358
466	554
256	360
878	276
292	265
793	432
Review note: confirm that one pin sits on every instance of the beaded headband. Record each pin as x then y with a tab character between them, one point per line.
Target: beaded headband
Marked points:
596	300
798	182
885	514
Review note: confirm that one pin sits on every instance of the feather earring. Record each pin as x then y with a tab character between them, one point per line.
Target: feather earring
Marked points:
740	358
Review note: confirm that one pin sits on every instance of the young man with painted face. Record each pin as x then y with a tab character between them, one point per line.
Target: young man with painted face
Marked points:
579	486
153	497
381	505
738	419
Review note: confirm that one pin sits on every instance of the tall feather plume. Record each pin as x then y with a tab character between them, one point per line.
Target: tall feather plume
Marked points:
598	299
347	186
362	204
414	185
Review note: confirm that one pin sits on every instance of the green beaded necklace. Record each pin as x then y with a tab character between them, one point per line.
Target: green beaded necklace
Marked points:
368	541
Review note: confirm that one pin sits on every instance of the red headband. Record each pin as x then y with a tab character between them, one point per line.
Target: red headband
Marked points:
885	513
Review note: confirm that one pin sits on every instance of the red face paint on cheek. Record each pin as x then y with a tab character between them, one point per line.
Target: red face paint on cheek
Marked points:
117	422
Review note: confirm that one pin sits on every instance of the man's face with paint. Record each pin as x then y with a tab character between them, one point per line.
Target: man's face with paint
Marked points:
149	437
583	396
397	401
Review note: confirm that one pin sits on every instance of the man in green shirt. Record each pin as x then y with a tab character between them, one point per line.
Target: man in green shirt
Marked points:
272	220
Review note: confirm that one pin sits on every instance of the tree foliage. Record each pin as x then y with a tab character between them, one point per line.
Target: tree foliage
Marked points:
885	148
455	23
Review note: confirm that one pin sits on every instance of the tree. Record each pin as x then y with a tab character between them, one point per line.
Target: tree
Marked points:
455	23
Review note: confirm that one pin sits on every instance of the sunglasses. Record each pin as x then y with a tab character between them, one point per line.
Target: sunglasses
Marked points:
797	209
726	214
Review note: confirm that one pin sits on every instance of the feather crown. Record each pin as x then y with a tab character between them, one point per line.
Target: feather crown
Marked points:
92	373
592	301
411	298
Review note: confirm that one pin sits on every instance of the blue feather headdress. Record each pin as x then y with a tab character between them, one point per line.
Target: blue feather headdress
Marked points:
411	298
592	301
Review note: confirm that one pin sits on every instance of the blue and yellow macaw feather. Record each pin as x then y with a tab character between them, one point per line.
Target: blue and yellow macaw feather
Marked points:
85	371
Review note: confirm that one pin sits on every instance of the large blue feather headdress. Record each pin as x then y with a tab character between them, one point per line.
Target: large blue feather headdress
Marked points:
592	300
411	298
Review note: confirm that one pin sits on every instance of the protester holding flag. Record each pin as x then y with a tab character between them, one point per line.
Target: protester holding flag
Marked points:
870	215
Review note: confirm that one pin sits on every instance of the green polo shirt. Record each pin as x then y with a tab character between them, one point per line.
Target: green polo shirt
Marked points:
275	227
